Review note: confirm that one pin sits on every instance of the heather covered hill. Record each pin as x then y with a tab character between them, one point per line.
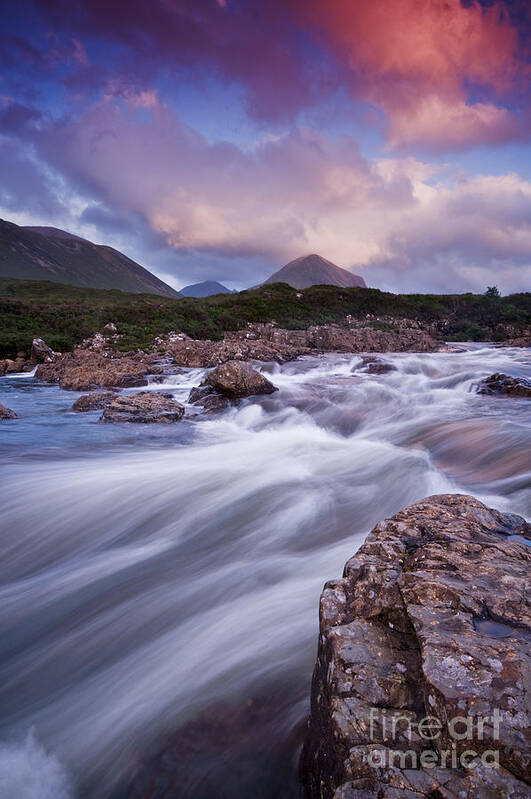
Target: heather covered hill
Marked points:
47	253
64	315
314	270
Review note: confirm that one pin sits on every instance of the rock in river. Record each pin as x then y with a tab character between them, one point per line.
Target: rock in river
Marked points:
422	676
375	366
143	407
7	413
85	370
505	384
237	379
94	401
207	398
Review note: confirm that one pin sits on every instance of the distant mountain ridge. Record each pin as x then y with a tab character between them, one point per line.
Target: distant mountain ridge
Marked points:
48	253
314	270
205	289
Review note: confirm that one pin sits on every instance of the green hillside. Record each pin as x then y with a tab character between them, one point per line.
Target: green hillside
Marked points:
64	315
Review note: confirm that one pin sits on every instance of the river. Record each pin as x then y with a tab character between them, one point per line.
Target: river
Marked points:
160	584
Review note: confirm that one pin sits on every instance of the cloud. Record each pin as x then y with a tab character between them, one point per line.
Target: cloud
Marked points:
447	74
425	64
438	123
14	117
462	237
255	44
27	186
405	224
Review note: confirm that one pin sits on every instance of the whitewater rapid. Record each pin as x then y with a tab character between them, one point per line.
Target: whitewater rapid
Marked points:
151	578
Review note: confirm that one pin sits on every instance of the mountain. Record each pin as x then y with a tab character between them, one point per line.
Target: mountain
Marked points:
313	270
47	253
204	289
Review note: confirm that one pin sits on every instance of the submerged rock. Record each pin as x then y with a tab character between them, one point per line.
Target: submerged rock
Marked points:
144	407
41	352
414	694
375	366
96	400
207	398
7	413
237	379
505	384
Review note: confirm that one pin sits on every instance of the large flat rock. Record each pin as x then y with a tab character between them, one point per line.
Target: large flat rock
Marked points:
423	668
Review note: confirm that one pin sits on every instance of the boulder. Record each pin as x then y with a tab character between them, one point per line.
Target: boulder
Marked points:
422	673
7	413
41	352
235	379
96	400
144	407
110	329
505	385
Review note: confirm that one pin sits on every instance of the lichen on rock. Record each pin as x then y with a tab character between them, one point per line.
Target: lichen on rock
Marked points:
414	687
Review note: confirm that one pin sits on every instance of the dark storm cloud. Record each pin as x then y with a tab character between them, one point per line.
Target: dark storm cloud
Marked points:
256	44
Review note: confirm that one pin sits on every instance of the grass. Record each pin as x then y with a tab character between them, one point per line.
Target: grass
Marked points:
64	315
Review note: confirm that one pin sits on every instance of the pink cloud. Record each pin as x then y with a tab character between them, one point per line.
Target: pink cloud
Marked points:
434	120
444	73
417	60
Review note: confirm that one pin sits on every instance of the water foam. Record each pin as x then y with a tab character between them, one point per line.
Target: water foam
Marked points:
27	771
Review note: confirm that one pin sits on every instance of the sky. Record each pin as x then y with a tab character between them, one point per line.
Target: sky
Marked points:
219	139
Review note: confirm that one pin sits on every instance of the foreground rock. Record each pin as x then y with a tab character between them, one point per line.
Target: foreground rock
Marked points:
431	619
144	407
7	413
93	401
505	384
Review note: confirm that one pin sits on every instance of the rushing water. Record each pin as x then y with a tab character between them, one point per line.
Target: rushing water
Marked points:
157	579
